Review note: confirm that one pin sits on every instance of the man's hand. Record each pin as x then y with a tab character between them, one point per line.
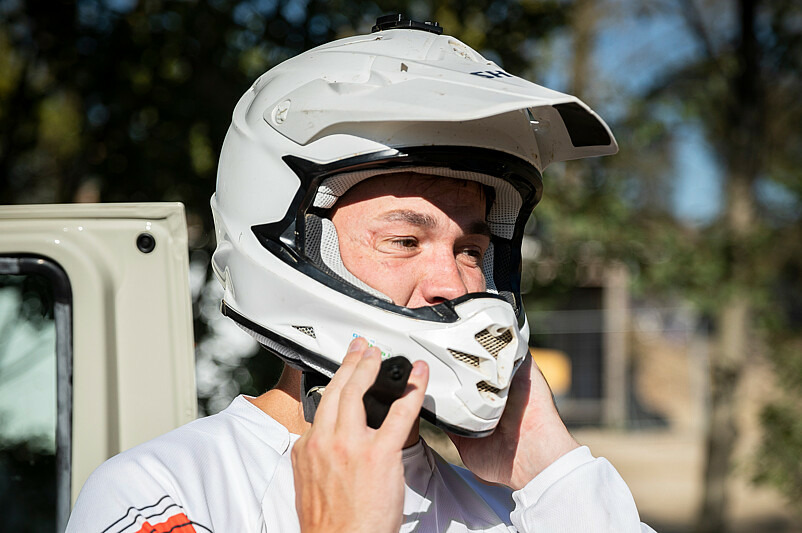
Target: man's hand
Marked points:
529	437
349	477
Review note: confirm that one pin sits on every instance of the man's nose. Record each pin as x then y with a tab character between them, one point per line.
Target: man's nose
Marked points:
442	280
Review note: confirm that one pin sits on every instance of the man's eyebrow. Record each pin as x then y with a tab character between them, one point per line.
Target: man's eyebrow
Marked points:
422	220
410	217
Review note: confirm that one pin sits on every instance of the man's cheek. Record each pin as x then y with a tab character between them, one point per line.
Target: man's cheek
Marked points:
475	281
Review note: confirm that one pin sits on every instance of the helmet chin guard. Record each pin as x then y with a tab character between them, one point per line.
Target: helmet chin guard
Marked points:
398	100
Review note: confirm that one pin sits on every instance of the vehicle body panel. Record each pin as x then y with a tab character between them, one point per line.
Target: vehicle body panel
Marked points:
133	359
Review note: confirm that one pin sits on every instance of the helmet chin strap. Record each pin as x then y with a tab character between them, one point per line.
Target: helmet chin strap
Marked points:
312	386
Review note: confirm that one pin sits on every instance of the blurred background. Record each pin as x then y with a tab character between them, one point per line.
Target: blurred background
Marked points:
663	285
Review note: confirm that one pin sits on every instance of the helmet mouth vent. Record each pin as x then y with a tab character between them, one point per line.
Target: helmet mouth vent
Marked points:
486	389
494	343
466	358
306	330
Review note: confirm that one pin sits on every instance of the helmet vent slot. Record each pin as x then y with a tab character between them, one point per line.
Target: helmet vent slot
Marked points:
494	343
485	388
306	330
466	358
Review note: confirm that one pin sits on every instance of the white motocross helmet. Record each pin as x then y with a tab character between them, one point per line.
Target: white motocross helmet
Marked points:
403	99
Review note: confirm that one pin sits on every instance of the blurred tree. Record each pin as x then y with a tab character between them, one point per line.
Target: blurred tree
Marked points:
740	89
742	93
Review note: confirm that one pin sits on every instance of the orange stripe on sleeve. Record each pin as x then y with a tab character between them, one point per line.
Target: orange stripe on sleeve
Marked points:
175	524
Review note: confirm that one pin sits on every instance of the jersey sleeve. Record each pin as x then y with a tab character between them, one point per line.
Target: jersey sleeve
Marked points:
209	474
123	497
577	493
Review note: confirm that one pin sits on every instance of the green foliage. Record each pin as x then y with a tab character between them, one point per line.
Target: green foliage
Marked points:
778	461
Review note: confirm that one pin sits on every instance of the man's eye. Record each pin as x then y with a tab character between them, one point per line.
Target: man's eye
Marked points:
406	242
473	253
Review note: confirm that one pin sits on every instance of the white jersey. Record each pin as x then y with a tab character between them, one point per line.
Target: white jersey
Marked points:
231	473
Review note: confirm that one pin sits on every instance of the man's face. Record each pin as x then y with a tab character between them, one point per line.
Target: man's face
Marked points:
418	239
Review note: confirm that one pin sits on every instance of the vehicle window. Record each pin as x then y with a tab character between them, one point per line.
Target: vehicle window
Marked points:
33	488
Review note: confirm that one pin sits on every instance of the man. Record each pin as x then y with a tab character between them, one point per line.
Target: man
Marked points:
370	203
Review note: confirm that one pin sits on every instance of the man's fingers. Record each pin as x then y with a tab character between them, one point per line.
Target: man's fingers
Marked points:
351	408
327	410
405	410
355	351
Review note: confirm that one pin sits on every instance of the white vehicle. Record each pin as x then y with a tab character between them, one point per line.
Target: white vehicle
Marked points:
96	346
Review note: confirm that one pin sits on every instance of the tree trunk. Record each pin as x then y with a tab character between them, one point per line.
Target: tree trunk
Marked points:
741	153
727	365
583	27
731	352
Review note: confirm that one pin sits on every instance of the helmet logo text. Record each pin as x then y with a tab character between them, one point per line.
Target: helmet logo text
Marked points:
386	354
492	74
